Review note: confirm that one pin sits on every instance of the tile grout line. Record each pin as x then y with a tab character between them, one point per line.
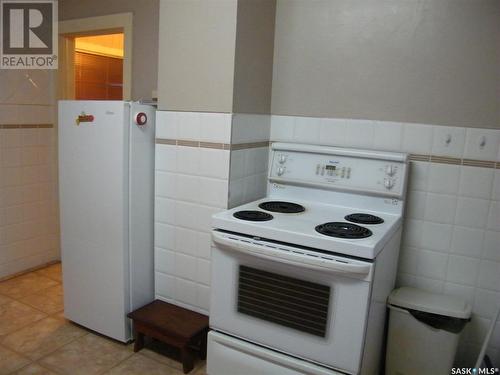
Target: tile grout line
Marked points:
54	316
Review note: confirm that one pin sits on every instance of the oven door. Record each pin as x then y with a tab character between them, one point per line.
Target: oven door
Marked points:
303	303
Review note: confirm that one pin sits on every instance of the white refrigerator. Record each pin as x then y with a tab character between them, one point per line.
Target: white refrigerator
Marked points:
106	184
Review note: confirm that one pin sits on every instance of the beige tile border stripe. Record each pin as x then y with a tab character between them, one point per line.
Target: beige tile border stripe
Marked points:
212	145
245	146
26	126
455	161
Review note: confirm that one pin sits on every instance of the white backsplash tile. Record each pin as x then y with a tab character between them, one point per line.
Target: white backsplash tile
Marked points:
185	291
431	264
496	186
476	182
165	184
448	141
215	127
282	128
436	236
165	158
486	303
166	125
417	138
203	297
203	271
188	160
443	178
165	261
186	241
387	136
462	270
429	284
185	266
165	236
489	275
214	163
408	260
333	132
416	204
359	133
472	212
481	144
494	216
164	286
186	214
203	245
440	208
249	128
29	226
467	241
307	130
187	188
419	175
213	192
412	232
491	246
460	290
164	210
188	126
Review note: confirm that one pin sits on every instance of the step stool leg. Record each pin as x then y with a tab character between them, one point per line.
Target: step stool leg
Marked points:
187	359
139	341
203	346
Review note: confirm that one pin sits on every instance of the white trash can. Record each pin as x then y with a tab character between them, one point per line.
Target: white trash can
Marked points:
424	330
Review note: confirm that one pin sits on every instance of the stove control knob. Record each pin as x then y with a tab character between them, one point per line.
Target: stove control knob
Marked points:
388	183
280	171
390	170
282	159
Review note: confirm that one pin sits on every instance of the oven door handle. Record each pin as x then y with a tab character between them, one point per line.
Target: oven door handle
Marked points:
284	256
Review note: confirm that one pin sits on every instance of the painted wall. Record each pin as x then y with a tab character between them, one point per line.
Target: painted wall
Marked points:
422	61
145	35
196	55
29	228
253	66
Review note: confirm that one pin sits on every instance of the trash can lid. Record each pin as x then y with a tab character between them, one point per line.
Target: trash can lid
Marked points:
434	303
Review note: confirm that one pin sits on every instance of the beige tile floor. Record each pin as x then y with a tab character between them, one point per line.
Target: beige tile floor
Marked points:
35	338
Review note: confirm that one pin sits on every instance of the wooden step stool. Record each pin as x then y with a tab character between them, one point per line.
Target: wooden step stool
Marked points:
172	325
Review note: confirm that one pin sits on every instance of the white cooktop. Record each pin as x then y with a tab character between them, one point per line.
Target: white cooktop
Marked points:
299	228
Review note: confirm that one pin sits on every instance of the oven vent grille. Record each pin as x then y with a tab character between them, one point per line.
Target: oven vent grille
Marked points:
290	302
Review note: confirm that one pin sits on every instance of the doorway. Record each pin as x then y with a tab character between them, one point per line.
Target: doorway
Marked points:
98	67
95	58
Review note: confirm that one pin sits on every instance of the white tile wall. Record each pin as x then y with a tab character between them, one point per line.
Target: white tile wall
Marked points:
248	170
194	126
481	144
457	142
248	175
191	184
249	128
451	241
28	201
29	229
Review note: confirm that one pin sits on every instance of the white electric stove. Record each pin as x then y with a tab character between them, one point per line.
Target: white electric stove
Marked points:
300	278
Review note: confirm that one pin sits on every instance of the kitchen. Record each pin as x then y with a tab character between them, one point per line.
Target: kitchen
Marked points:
234	77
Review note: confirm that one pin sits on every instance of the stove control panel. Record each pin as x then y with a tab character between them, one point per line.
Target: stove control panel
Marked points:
364	172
